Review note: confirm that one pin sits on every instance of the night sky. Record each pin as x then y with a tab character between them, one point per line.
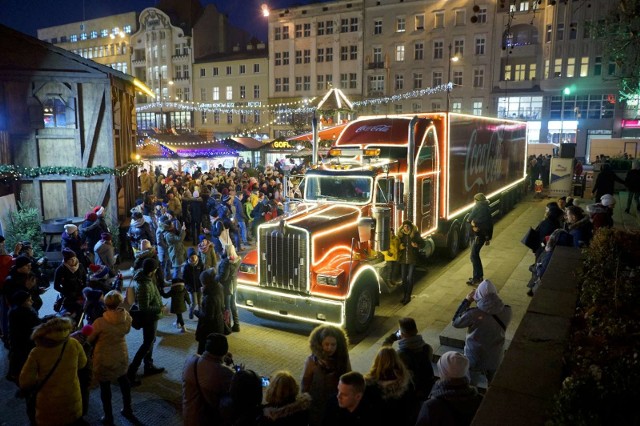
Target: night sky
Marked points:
29	15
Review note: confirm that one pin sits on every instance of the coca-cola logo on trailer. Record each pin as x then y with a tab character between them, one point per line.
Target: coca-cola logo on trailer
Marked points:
483	162
382	128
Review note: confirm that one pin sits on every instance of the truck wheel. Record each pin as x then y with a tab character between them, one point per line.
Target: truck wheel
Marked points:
453	242
465	235
361	308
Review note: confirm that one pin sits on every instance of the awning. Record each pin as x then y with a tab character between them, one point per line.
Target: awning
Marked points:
330	133
185	146
250	144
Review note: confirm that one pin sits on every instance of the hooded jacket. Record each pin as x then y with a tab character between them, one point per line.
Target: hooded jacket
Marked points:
140	230
59	401
210	316
175	247
481	216
110	353
407	254
147	295
453	402
293	414
416	355
484	344
395	399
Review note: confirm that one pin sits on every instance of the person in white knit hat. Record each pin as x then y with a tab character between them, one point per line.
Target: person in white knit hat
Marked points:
452	401
486	325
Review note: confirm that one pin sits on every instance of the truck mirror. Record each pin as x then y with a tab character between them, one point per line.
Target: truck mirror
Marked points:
366	225
382	217
398	193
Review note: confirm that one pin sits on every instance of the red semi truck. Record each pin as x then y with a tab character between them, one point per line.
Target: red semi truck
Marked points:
318	262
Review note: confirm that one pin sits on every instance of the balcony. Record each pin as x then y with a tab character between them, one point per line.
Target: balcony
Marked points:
138	61
524	50
519	85
180	57
375	65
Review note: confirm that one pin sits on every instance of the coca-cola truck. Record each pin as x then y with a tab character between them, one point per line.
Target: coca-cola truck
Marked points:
320	261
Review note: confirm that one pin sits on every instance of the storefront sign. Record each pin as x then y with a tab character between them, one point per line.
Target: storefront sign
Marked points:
282	145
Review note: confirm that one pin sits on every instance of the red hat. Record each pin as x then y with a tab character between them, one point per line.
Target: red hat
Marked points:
94	268
91	216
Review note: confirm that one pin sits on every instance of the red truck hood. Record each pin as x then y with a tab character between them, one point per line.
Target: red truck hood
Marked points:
320	217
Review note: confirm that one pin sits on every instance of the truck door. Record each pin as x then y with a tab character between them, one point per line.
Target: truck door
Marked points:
427	176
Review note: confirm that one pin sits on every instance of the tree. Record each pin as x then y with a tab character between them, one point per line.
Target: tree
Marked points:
620	33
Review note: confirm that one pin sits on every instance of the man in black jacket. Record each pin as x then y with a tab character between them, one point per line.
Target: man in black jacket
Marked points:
416	355
632	182
482	226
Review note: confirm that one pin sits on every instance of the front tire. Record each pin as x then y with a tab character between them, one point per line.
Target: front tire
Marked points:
361	308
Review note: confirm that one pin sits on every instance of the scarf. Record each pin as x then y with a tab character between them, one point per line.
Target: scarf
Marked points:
73	269
138	222
204	246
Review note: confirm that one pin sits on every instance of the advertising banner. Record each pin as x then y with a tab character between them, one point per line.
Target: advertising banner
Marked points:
560	177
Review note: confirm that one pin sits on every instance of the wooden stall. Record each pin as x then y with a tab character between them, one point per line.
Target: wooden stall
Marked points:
72	123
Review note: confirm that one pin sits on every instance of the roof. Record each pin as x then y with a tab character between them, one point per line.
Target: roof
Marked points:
330	133
249	143
45	57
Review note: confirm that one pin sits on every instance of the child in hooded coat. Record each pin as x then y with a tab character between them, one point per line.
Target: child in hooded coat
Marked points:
191	274
179	301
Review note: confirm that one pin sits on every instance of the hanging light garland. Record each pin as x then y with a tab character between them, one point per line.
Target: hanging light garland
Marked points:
16	172
404	96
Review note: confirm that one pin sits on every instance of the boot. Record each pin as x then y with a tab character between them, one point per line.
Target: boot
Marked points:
107	420
236	327
150	370
127	413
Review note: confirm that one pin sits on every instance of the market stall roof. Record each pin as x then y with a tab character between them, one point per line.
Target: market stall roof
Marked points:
335	99
250	144
330	133
185	146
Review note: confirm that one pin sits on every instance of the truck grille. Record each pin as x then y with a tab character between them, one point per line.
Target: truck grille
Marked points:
283	259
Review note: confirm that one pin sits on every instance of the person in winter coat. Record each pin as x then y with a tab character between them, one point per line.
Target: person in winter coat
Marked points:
242	406
390	269
139	230
90	231
205	379
216	230
453	401
105	254
285	406
410	243
224	276
191	274
206	253
69	279
164	225
486	326
632	182
94	306
329	360
234	265
552	221
20	278
59	401
416	355
111	356
175	247
579	226
389	386
605	182
482	227
22	320
211	314
70	239
148	252
150	304
179	301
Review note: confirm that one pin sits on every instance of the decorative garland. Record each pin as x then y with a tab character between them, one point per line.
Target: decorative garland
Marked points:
16	172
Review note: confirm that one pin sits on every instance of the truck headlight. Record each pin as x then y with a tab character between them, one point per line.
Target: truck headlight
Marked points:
248	268
331	280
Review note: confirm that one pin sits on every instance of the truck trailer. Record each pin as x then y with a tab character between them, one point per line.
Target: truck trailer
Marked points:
320	261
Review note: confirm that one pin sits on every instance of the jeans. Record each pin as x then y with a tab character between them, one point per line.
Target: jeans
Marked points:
243	232
145	352
230	303
176	271
631	197
105	395
478	273
407	279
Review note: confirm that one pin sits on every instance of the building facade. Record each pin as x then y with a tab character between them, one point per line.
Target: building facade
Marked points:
231	93
106	41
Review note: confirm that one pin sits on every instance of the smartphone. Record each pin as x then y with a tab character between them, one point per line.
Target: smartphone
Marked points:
265	381
398	333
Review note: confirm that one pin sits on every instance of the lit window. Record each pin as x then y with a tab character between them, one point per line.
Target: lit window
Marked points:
55	112
419	22
401	24
229	94
400	53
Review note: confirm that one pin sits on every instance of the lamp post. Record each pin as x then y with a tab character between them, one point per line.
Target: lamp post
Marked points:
449	83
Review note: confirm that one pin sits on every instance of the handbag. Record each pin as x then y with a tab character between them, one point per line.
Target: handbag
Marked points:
531	239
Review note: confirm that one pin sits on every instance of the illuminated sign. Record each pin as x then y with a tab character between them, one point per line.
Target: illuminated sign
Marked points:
631	124
282	145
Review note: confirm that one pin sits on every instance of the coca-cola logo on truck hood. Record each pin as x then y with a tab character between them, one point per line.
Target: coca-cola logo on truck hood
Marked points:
483	163
384	128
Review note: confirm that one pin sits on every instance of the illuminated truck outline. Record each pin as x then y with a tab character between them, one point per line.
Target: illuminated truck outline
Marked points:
312	264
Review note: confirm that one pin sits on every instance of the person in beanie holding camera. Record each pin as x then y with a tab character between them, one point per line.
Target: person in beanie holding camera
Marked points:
482	227
205	379
410	243
69	280
150	304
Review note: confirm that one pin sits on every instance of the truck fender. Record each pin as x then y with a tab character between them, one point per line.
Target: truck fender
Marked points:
362	299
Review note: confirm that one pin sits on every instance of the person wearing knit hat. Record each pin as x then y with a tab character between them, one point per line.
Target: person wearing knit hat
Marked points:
93	304
105	253
99	278
486	326
145	245
452	400
70	239
150	310
70	228
481	224
69	279
191	274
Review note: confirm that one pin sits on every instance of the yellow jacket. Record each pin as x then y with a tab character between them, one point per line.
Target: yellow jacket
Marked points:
392	254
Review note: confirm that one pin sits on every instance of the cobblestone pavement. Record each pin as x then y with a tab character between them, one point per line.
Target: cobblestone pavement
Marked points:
266	346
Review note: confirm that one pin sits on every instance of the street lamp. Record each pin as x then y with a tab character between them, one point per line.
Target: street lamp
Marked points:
449	83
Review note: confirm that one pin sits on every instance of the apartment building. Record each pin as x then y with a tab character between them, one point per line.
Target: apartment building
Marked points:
106	41
312	49
550	72
231	91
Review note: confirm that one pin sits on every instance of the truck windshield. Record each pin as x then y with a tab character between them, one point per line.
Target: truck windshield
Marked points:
345	189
